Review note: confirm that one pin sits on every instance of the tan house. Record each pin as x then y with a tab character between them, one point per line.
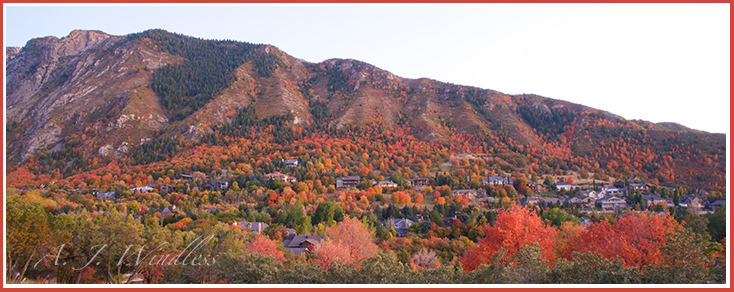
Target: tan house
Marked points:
281	176
582	202
691	202
653	200
611	202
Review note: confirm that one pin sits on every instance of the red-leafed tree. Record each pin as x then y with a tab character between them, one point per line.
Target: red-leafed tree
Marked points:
263	244
636	238
513	229
417	198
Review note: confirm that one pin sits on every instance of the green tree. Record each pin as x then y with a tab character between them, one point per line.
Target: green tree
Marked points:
28	235
717	224
688	258
118	235
591	268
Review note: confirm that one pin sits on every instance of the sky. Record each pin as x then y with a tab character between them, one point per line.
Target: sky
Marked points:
654	62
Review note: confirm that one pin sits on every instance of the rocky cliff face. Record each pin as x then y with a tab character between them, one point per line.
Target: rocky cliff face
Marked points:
80	84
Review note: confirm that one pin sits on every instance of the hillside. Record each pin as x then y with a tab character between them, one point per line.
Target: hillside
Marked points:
77	103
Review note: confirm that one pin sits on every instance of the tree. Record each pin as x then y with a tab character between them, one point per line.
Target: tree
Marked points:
513	229
424	260
717	224
263	244
328	211
117	233
353	235
591	268
556	217
329	251
636	238
687	258
28	234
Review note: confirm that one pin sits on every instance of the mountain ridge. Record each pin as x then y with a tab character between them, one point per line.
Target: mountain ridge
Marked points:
118	92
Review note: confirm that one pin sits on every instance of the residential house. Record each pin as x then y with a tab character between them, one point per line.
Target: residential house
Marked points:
497	181
106	196
168	210
691	202
252	226
144	189
593	194
642	187
221	185
347	182
718	204
612	191
540	187
448	221
611	202
401	225
291	162
582	202
419	181
194	176
297	244
565	186
652	200
470	194
548	201
533	201
386	184
281	176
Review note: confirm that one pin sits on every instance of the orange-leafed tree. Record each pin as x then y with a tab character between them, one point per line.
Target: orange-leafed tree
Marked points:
329	251
636	238
417	198
567	233
353	235
263	244
513	229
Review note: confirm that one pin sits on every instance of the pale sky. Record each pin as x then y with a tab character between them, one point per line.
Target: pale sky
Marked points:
655	62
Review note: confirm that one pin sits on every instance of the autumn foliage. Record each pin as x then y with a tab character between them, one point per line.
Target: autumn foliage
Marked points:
513	229
636	238
263	244
348	241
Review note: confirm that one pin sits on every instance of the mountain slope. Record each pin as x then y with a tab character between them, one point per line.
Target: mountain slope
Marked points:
91	94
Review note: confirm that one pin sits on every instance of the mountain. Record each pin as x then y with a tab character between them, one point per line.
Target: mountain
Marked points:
91	94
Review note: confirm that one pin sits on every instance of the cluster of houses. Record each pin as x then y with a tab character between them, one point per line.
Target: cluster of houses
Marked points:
609	199
351	182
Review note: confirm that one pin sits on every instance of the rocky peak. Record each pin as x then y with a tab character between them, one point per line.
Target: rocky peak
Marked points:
80	40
